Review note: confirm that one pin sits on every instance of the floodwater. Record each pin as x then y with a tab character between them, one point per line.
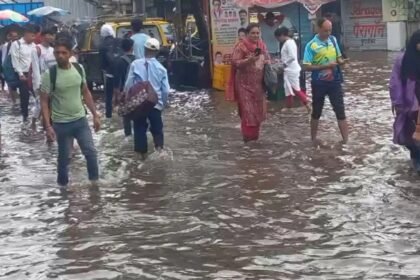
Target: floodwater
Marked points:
210	208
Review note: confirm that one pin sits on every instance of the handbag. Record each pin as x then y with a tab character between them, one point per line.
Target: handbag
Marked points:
139	101
339	71
271	80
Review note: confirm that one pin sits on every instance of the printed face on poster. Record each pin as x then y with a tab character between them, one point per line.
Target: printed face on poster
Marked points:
227	18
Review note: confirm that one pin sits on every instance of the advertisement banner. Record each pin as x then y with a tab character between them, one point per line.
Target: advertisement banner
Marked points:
395	10
414	10
311	5
227	18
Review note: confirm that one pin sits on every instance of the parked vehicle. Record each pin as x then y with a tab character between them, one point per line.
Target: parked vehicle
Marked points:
89	42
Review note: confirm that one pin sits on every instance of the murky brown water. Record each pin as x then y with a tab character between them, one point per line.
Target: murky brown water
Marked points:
210	208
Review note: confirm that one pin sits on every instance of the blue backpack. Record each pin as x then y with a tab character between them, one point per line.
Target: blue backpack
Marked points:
10	76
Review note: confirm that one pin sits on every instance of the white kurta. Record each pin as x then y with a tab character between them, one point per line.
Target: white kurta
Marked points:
289	56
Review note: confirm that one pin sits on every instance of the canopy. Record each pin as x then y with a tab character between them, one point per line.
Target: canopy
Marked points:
311	5
48	10
13	16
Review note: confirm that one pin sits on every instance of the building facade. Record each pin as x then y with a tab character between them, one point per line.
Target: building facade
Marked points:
379	24
363	26
79	9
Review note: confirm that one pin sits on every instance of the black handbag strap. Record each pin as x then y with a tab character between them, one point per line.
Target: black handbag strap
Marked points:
340	73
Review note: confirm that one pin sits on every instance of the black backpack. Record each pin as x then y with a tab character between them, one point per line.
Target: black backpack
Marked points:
53	75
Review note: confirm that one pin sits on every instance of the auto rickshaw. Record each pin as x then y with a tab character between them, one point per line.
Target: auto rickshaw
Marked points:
90	42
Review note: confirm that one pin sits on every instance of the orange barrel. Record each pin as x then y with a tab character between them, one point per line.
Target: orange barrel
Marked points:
221	76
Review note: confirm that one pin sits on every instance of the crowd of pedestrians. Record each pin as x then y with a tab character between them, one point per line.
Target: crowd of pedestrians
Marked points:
49	72
322	57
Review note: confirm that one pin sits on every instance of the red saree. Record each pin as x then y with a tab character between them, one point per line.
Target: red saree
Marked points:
246	87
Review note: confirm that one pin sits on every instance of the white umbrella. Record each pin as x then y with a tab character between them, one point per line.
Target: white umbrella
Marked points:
47	10
13	16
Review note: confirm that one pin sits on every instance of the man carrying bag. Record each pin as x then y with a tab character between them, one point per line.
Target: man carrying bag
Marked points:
145	95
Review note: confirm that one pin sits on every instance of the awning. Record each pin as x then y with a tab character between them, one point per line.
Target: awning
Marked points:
311	5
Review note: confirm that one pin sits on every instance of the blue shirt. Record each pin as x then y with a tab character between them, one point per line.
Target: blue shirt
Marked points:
155	73
319	52
139	41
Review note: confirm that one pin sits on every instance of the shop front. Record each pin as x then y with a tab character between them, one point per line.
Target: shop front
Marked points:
363	25
229	16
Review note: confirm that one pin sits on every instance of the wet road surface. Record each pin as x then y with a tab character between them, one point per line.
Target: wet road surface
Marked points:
208	208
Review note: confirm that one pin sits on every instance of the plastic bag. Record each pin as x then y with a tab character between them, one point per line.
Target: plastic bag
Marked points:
271	75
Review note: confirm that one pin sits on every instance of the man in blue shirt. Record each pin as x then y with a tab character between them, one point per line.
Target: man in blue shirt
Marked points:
149	69
322	57
138	37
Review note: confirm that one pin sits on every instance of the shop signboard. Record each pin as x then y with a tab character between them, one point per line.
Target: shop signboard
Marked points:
395	10
363	25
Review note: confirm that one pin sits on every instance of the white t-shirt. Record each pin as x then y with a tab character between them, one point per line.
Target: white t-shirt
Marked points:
46	58
289	56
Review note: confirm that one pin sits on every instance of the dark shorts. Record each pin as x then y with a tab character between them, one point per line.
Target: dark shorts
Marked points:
334	91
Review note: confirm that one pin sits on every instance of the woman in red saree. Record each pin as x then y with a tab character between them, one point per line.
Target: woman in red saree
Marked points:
246	85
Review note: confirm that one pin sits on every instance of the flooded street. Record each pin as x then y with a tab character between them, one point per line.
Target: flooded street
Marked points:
208	208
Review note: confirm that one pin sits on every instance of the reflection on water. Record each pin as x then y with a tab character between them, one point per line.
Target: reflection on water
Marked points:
210	208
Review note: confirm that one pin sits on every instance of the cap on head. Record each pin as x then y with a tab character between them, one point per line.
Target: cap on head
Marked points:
107	30
152	44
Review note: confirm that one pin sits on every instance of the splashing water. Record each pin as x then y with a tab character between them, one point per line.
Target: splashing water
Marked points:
209	208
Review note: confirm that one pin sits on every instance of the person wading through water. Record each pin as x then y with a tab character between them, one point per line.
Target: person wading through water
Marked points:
246	85
12	36
122	66
149	69
25	63
63	86
405	98
107	52
289	58
322	57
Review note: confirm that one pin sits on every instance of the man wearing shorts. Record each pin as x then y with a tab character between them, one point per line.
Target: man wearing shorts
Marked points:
322	58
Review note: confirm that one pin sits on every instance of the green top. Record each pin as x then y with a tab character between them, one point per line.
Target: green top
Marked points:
66	101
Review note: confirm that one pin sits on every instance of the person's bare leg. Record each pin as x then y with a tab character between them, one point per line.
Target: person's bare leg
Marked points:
314	131
344	129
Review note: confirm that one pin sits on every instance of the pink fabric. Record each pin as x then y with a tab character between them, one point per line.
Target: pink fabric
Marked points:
302	97
230	92
248	83
250	133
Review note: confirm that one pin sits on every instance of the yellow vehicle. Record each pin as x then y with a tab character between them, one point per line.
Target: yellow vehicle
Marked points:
154	27
89	45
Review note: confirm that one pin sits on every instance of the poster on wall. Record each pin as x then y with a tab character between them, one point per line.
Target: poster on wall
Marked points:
363	25
395	10
414	10
227	18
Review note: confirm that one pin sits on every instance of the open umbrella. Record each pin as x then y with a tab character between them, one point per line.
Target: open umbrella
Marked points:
13	16
48	10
